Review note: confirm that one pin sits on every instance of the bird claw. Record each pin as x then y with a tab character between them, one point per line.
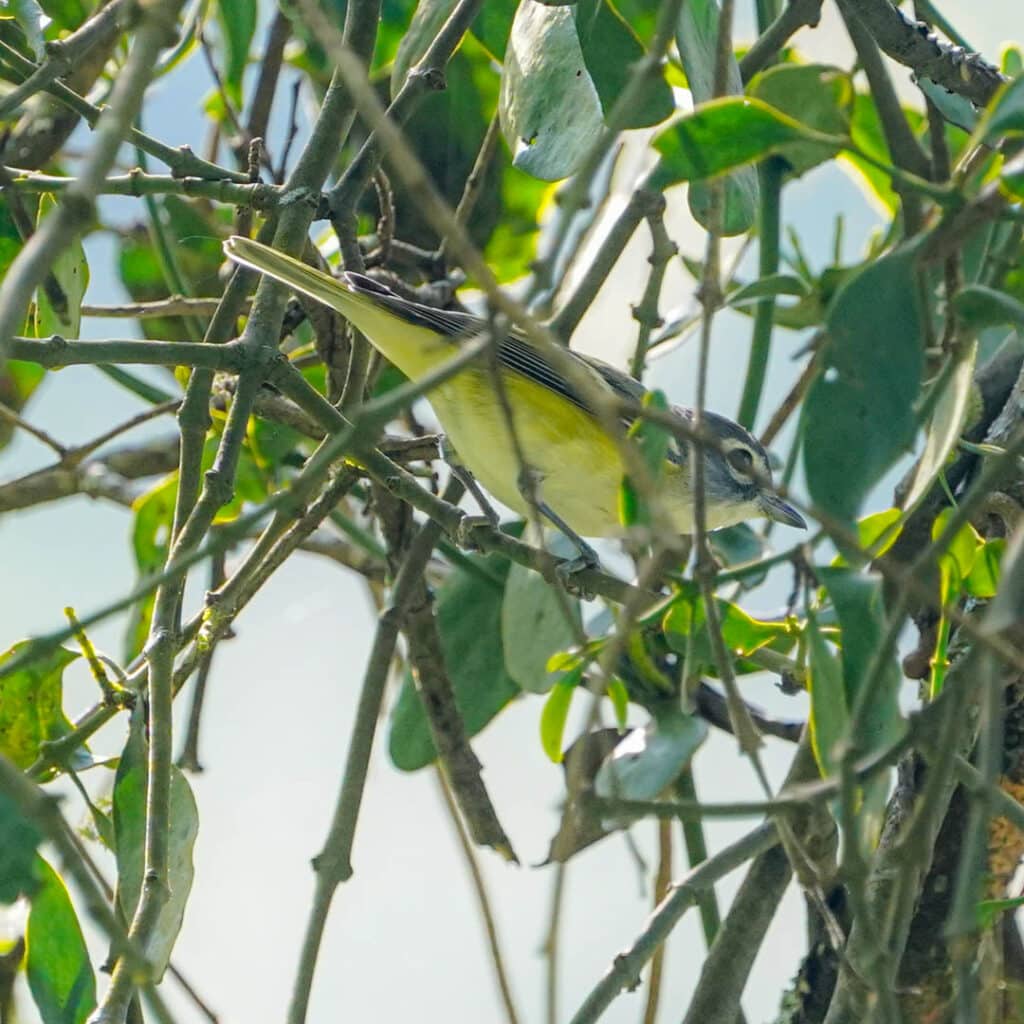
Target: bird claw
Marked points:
468	526
569	569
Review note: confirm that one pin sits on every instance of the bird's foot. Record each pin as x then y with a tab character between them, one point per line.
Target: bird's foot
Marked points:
468	526
569	569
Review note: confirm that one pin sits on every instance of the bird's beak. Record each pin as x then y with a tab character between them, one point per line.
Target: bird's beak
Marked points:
775	508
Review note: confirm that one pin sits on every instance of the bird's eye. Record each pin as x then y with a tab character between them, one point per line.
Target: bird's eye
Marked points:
742	461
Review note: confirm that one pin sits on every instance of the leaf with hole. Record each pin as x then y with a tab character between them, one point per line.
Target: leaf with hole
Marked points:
70	271
31	703
549	108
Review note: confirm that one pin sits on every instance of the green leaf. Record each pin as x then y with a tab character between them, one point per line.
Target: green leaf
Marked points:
31	703
742	634
858	601
619	696
990	910
768	287
19	838
71	271
946	422
238	24
817	95
869	138
66	14
983	580
554	714
979	306
534	627
60	975
725	134
1005	114
737	545
954	108
611	49
493	26
870	530
697	38
549	108
130	786
648	759
29	16
468	611
653	441
860	412
829	712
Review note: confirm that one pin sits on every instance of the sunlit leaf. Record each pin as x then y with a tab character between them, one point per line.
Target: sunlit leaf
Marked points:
31	709
130	788
534	625
742	633
468	612
983	579
554	714
549	108
726	134
860	411
60	975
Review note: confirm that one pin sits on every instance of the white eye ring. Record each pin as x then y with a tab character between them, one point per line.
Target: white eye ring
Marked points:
741	462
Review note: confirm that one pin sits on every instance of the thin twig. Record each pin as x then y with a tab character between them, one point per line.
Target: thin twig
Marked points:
483	902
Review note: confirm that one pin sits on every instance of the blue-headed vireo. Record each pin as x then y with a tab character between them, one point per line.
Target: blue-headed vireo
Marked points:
575	466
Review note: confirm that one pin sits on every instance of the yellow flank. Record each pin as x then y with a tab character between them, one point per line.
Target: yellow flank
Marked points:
576	468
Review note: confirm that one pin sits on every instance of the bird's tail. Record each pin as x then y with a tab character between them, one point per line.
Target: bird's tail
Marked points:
338	294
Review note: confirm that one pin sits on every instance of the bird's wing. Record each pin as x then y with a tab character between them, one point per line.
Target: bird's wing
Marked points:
516	351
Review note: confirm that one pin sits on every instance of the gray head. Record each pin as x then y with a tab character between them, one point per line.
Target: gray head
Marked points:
737	477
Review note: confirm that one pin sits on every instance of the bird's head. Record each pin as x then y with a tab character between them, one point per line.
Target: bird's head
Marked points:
738	477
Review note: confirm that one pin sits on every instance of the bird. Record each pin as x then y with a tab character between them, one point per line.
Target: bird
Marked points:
574	467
